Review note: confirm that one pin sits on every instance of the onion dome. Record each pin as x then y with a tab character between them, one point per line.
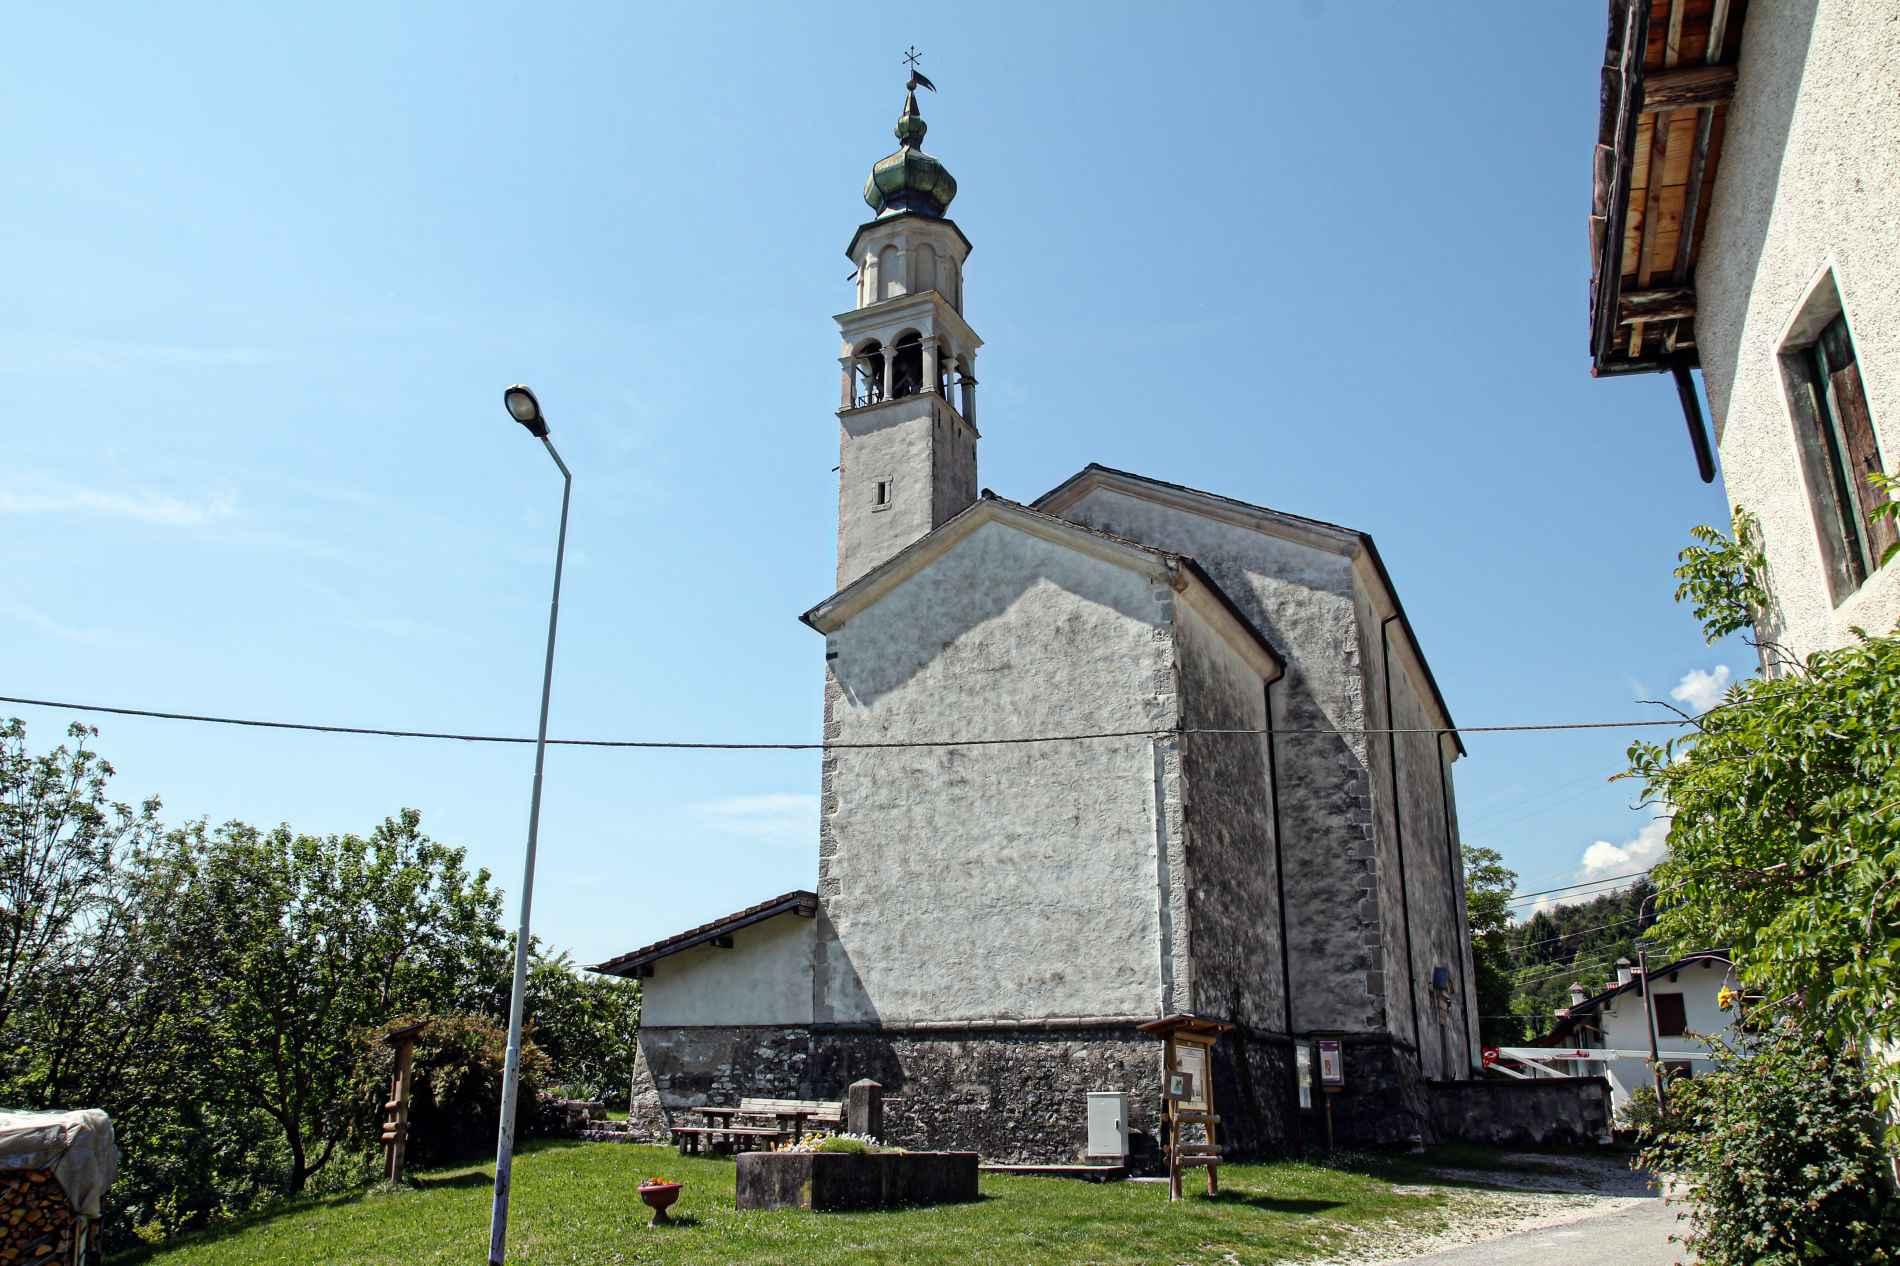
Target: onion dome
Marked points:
910	180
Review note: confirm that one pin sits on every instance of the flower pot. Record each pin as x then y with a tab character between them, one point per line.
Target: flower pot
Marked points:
659	1196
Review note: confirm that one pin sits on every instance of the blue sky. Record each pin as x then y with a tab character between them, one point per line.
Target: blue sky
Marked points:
269	272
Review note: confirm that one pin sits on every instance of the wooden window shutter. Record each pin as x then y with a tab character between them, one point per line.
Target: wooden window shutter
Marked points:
1672	1019
1847	400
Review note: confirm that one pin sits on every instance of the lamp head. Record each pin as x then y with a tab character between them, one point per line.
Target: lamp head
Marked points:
525	409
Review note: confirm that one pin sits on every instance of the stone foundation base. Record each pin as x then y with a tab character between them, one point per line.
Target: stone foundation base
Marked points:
1383	1103
1013	1095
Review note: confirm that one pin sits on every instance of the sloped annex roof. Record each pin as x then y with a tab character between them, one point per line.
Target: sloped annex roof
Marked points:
1576	1014
798	901
1181	569
1275	522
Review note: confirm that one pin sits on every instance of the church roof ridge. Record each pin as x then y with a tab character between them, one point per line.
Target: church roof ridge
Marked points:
797	901
1171	559
1099	468
1362	540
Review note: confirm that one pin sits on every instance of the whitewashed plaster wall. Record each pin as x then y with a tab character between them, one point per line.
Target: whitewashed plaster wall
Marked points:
1806	184
897	440
765	978
1002	882
1301	598
1626	1025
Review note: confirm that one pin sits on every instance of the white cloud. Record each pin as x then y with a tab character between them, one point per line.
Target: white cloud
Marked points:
1604	860
1640	851
146	507
1700	690
782	817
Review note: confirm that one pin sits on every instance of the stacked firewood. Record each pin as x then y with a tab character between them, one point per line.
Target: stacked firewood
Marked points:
37	1224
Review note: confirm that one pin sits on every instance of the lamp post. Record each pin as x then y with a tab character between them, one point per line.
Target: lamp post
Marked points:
525	409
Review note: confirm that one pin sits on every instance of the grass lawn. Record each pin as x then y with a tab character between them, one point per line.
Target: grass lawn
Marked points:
574	1203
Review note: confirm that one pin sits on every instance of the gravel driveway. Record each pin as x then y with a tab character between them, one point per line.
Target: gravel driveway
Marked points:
1584	1210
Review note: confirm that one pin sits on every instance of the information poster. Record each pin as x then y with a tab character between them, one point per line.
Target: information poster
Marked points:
1332	1064
1303	1066
1191	1059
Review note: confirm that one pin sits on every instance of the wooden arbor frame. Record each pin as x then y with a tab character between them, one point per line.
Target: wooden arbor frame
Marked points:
1187	1055
396	1109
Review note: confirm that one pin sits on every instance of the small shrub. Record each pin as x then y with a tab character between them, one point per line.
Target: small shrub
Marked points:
850	1144
1780	1148
1638	1117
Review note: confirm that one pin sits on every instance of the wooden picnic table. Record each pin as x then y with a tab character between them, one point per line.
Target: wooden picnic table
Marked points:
736	1137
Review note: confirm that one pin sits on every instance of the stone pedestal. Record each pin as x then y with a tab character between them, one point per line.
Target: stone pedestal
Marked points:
864	1109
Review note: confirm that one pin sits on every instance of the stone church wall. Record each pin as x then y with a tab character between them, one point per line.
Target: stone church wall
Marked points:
1420	875
1233	893
1013	882
1301	597
889	442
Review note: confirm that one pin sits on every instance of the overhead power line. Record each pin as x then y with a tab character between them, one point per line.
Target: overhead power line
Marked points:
686	745
1588	883
1564	936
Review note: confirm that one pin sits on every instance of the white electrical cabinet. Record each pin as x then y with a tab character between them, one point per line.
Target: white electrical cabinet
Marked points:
1108	1125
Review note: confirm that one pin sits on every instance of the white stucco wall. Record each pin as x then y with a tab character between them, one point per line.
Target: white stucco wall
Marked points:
1004	882
765	978
1626	1025
1806	184
1301	596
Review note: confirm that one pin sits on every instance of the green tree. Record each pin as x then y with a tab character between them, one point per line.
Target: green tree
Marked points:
309	940
1489	884
1784	806
1784	837
60	838
587	1024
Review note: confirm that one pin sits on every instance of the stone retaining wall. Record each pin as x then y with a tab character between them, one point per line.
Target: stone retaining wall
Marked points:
1549	1111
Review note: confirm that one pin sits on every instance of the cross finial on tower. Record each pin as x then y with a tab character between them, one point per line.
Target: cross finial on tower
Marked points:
917	80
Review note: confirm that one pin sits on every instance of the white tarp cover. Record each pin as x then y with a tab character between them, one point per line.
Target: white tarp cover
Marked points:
76	1146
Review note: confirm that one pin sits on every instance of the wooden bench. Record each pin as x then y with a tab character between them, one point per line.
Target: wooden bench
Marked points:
798	1112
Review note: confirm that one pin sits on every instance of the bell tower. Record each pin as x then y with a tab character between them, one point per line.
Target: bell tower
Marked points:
907	416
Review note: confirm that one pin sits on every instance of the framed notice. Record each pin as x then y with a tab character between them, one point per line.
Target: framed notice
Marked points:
1303	1072
1332	1064
1190	1062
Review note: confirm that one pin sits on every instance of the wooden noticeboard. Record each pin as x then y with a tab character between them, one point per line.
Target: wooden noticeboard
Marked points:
1187	1091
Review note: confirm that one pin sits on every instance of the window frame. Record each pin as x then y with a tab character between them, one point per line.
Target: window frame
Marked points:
1849	542
1681	1005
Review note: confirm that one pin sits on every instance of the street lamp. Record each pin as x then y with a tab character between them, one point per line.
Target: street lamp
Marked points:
525	409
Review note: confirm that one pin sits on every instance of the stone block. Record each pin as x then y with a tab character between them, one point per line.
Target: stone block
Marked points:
838	1181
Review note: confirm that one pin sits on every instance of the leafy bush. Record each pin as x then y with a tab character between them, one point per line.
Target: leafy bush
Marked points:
454	1087
1780	1149
1638	1116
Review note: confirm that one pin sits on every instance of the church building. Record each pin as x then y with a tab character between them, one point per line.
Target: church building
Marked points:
1124	750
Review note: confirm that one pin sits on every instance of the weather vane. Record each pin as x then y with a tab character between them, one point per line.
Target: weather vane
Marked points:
917	80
